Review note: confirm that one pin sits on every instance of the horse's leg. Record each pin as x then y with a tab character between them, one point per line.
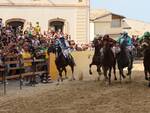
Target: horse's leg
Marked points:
60	75
114	69
99	71
146	75
72	69
149	77
65	73
110	75
105	73
130	68
90	71
120	73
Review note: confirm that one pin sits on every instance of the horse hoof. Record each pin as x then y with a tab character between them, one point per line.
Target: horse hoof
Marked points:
123	76
66	77
98	79
74	79
146	78
99	73
128	74
149	85
57	84
90	72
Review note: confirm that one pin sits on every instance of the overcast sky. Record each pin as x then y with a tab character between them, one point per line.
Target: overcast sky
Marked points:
135	9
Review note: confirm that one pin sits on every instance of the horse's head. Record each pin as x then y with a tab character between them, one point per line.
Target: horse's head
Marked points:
97	41
52	49
145	44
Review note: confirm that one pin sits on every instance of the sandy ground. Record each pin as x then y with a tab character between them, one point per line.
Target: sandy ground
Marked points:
87	96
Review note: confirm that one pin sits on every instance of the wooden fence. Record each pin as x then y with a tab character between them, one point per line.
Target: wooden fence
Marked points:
19	66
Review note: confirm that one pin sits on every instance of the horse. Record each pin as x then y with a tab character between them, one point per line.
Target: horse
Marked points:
96	60
61	61
124	59
146	60
108	62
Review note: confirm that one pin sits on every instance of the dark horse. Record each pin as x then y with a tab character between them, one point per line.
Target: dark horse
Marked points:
146	47
61	61
124	59
108	62
96	60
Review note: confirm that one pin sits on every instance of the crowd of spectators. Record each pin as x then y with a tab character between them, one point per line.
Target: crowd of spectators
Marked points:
30	42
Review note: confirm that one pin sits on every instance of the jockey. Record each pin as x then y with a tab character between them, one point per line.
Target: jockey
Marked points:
126	39
146	36
111	42
63	43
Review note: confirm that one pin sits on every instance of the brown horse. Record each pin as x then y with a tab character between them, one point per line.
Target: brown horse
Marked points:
96	60
108	62
124	59
146	61
61	62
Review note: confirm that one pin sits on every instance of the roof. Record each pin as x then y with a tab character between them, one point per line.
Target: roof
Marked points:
11	2
136	27
100	13
43	3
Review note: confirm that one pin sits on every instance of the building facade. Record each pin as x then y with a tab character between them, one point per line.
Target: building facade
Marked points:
71	16
104	22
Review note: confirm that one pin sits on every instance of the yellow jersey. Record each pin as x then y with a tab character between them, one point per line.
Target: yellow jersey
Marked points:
27	56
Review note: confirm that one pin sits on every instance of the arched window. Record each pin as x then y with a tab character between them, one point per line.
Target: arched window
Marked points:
15	23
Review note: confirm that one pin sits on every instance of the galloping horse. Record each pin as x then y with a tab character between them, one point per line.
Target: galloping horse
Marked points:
108	61
96	60
124	59
61	61
146	61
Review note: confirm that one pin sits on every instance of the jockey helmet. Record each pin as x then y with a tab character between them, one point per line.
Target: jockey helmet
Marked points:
125	33
147	34
106	37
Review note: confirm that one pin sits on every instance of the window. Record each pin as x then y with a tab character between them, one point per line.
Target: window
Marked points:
116	23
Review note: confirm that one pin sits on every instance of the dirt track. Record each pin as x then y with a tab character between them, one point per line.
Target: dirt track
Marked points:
85	96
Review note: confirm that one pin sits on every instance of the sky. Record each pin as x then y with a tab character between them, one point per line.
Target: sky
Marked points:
134	9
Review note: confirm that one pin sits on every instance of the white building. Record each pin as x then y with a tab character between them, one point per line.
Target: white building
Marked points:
72	16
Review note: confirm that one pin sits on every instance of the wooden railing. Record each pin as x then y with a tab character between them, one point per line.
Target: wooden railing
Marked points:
19	62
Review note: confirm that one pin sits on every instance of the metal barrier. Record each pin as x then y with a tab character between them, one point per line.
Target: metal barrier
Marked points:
5	69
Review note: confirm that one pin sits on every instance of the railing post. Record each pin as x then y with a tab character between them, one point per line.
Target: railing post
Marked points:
34	70
20	73
4	75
